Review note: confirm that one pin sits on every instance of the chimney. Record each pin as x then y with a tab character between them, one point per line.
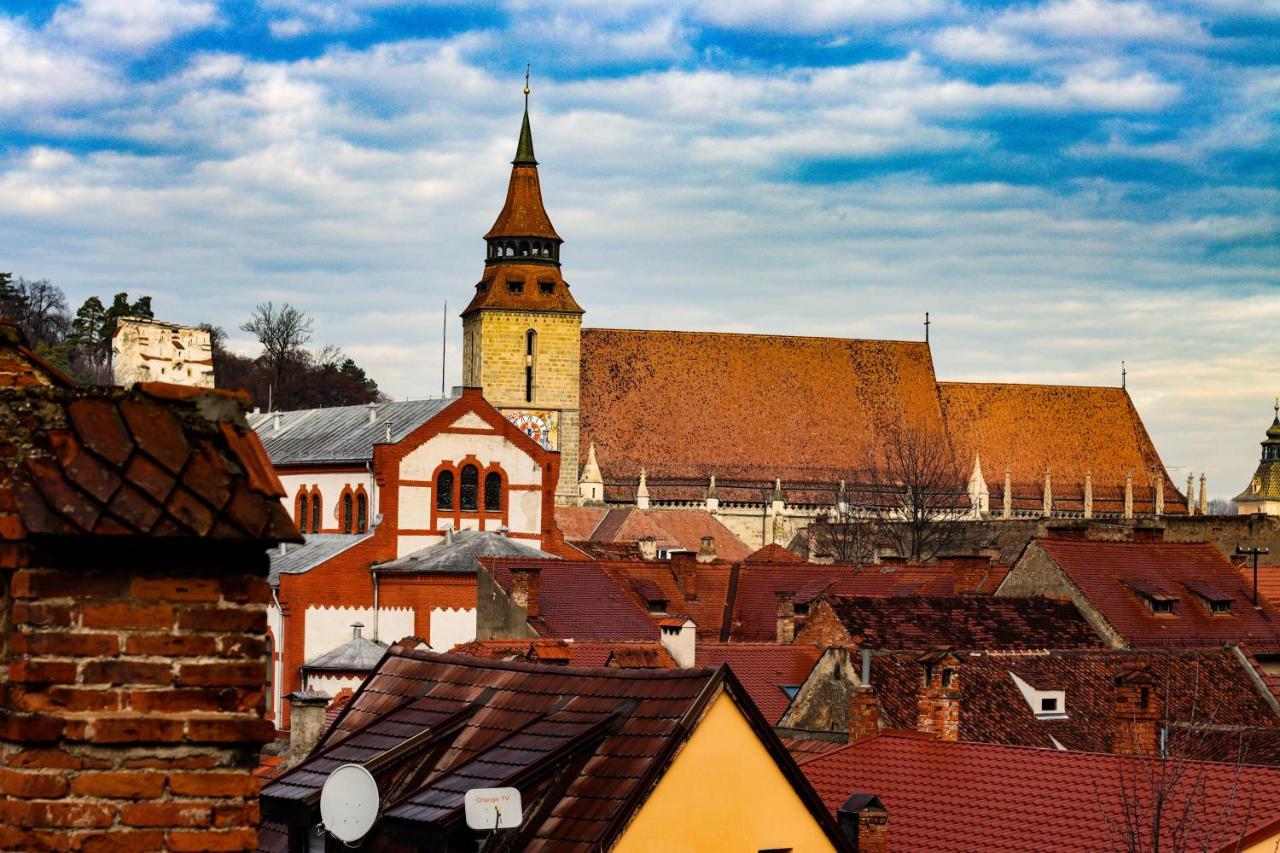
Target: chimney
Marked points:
275	425
1159	494
648	548
713	496
525	581
786	631
679	637
864	707
373	412
1047	509
1088	494
306	722
1137	713
864	821
938	703
448	535
685	569
707	551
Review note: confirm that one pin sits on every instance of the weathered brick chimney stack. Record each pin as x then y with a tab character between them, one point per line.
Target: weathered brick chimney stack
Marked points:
864	705
938	702
786	628
133	535
1138	709
526	582
864	821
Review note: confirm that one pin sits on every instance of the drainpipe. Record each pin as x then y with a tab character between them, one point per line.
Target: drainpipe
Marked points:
275	679
375	605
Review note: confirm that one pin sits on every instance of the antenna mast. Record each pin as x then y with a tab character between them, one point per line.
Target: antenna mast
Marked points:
444	344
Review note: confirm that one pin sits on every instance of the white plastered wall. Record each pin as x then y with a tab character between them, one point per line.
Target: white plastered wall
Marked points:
331	684
275	623
331	486
449	627
329	627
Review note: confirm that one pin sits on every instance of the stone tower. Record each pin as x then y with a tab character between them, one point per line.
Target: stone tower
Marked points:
1263	492
521	333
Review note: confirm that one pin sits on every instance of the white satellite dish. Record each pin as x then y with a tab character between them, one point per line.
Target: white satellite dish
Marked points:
493	808
349	802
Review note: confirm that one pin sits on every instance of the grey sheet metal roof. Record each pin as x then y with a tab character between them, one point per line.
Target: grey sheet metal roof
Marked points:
341	433
357	654
459	553
318	547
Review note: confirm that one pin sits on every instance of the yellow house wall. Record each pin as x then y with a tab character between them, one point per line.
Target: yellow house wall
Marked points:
723	792
1268	845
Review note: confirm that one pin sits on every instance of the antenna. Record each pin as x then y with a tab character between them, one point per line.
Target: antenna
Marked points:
1124	376
493	808
926	327
349	803
444	344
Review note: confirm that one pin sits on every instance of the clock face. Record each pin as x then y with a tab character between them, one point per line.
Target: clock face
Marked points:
536	426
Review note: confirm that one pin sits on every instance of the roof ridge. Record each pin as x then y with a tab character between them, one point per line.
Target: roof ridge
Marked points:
1031	385
756	335
550	669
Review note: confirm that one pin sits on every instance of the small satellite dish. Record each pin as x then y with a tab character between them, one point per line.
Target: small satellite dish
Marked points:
493	808
349	803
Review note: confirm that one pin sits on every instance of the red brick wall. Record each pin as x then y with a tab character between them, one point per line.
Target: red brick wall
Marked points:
822	628
133	708
424	593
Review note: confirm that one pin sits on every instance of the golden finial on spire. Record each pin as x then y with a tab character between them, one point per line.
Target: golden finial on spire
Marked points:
526	86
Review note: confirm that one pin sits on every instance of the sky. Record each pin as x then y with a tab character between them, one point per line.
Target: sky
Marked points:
1064	185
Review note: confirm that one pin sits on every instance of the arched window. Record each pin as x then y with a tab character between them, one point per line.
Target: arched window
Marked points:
362	512
493	492
300	512
315	511
467	497
524	248
444	490
346	512
530	350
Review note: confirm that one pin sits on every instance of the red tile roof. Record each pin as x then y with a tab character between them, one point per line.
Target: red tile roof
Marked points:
578	522
1268	581
945	796
1105	572
1069	430
578	654
1212	704
763	669
595	742
579	600
673	529
733	404
157	461
773	553
963	622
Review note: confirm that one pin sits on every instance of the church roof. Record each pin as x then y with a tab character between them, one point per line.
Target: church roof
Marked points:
523	287
746	406
1265	484
1066	429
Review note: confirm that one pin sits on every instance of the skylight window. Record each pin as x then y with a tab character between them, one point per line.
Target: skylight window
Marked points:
790	690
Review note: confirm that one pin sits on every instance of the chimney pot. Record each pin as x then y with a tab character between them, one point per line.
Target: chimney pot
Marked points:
648	548
864	821
355	630
306	722
707	551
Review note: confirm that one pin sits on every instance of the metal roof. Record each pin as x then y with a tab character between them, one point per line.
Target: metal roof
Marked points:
459	553
341	433
357	654
318	547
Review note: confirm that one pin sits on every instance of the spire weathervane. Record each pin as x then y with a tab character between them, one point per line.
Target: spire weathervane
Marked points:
1124	376
926	327
526	87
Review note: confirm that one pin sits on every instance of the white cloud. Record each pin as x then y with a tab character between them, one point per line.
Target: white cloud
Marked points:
971	44
814	16
35	75
1110	20
130	24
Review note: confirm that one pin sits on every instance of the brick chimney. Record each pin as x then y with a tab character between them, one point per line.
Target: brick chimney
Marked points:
1137	712
864	821
864	713
525	584
648	548
786	630
707	550
685	569
306	722
969	572
938	702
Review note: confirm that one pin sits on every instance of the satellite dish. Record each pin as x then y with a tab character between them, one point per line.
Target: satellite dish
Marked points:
349	803
493	808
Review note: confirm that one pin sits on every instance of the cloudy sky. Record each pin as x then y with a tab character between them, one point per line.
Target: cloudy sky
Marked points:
1062	184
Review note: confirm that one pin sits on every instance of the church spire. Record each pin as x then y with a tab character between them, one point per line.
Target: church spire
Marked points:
524	148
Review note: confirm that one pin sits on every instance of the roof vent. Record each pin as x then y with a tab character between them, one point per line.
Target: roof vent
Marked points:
373	412
355	630
275	422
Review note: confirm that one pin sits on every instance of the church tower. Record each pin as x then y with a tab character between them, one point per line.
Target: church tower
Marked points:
521	333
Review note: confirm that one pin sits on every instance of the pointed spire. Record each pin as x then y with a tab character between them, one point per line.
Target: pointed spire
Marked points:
524	148
642	492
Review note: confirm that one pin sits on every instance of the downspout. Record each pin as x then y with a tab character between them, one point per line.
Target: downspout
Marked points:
275	678
375	500
375	605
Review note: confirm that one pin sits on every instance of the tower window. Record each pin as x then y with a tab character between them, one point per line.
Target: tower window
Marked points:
515	286
346	512
547	287
315	511
530	351
362	512
444	490
493	492
468	497
300	512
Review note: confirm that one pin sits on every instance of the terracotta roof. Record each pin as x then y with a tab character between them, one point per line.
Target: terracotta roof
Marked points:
523	287
1104	572
585	746
1066	429
1268	581
20	365
961	796
732	404
578	654
773	553
1211	701
963	621
702	601
565	586
764	669
523	214
675	529
158	461
1265	483
576	523
638	656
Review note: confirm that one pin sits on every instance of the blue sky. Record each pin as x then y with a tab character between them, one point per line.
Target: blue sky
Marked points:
1063	184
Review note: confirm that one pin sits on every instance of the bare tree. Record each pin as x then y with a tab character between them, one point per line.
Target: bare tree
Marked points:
914	492
40	308
844	532
283	333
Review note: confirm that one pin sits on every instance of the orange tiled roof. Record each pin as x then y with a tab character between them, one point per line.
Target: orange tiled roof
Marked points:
681	529
693	404
1066	429
159	460
577	523
584	654
520	286
523	214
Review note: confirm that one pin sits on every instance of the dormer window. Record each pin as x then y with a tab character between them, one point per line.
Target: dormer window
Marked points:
514	286
1044	704
1159	600
1210	596
654	599
547	287
1048	704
